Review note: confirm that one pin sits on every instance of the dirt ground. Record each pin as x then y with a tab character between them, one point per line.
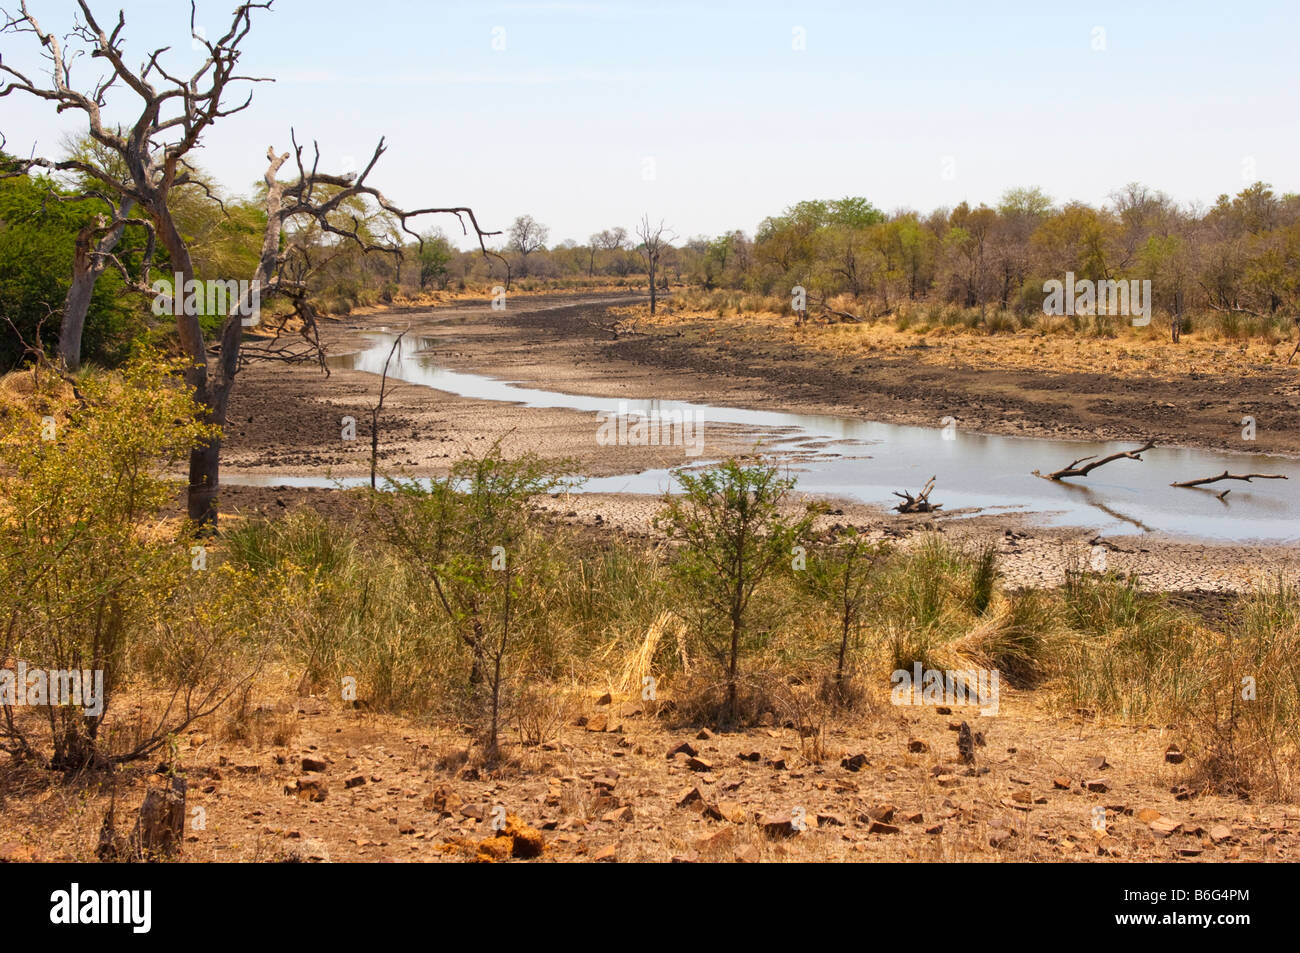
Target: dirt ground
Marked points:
310	779
316	782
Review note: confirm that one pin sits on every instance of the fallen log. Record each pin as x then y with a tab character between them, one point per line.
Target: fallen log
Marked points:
919	503
1225	475
1074	470
844	316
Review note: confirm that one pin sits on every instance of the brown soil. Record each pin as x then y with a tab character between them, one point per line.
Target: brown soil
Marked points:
398	791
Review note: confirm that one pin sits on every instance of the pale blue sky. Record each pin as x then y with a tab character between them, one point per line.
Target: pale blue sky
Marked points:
917	105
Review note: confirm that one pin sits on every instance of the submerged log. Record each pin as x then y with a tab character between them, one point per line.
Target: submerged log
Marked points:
1075	470
1225	475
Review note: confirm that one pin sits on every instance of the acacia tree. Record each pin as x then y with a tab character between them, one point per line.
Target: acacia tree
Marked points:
174	114
654	239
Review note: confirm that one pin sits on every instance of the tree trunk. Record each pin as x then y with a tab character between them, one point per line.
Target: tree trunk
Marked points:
205	472
652	289
86	269
75	306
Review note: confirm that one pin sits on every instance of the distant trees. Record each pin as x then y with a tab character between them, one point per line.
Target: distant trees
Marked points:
436	254
527	235
608	240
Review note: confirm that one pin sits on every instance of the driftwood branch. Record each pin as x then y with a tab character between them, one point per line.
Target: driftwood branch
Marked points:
1225	475
842	315
919	503
1075	470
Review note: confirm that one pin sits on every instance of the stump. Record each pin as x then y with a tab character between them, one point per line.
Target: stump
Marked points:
160	829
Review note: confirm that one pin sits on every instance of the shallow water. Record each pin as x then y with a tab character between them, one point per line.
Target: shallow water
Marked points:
866	460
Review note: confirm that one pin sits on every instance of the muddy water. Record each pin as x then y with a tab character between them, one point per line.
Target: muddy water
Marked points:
865	460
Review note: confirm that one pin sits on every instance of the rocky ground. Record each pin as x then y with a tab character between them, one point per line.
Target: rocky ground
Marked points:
616	781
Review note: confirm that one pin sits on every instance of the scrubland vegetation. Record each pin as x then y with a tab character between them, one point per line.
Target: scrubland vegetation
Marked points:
458	599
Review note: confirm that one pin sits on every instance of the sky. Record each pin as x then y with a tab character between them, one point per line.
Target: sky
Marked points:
714	115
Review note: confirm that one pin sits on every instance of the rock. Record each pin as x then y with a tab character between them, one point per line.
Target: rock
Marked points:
605	699
965	744
355	781
18	854
443	800
726	811
618	815
882	812
942	710
1023	796
946	780
880	827
1062	782
1096	786
1174	755
1097	764
917	746
1220	833
704	735
313	764
934	829
607	854
777	825
597	722
854	763
1001	837
1147	815
684	748
699	764
913	817
309	789
722	838
1164	826
690	857
692	797
827	819
747	855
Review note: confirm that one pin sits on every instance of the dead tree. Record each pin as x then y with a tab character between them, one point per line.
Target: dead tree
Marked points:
1225	475
654	238
379	409
1074	470
174	114
919	503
